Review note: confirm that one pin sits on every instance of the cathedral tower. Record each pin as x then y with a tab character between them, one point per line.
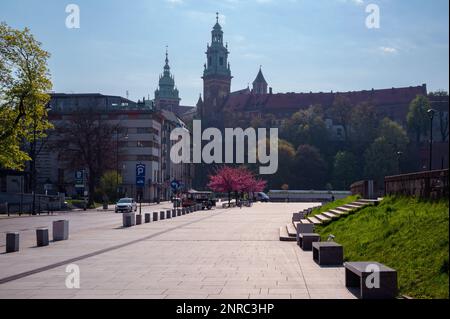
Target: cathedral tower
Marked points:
260	84
167	95
216	75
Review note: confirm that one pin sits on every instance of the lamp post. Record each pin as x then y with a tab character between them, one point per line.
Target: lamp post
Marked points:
431	113
117	159
399	155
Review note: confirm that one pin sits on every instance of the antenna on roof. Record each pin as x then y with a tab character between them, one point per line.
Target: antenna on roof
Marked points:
127	94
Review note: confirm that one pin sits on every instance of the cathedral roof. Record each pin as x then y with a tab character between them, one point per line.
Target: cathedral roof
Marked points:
260	78
294	101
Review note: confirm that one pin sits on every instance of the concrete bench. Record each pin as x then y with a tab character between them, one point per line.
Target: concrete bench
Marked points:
328	253
42	237
303	229
356	276
305	240
12	242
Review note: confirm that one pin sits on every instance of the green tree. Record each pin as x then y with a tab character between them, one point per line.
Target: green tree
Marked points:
341	113
24	81
310	169
381	158
417	118
344	170
306	127
109	184
286	156
364	124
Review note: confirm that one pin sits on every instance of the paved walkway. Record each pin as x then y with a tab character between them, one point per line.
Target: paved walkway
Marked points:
224	253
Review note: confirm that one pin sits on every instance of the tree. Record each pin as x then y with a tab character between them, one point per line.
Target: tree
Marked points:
306	127
344	170
286	156
364	124
309	167
109	183
381	158
235	180
24	81
417	118
86	141
341	113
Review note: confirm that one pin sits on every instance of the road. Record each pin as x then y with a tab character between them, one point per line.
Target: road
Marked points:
224	253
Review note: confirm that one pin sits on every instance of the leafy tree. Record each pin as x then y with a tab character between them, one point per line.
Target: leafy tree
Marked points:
417	118
309	167
381	158
24	81
85	140
364	124
306	127
286	156
341	113
344	170
394	134
109	183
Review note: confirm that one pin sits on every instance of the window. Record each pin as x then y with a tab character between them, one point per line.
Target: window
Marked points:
221	61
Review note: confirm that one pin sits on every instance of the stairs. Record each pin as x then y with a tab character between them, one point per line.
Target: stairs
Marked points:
289	232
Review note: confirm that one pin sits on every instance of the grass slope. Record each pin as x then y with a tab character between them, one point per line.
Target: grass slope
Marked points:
336	203
407	234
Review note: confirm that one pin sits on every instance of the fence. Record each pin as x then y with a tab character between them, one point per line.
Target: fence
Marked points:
23	203
430	184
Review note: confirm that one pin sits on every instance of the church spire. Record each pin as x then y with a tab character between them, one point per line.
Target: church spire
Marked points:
167	90
260	83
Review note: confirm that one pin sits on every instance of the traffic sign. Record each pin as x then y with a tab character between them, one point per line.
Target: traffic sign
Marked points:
140	175
175	185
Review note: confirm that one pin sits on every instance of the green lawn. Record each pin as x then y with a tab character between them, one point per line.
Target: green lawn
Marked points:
336	203
407	234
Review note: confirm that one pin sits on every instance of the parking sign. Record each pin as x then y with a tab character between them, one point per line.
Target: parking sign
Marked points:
140	175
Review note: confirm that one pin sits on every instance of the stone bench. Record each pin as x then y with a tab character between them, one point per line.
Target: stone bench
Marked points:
357	277
328	253
305	240
303	229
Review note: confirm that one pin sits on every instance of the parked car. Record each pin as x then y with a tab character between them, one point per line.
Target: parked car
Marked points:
262	197
126	205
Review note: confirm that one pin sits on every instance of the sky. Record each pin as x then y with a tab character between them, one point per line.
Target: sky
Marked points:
302	45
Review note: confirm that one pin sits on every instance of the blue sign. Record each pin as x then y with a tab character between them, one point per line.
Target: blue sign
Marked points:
175	185
140	175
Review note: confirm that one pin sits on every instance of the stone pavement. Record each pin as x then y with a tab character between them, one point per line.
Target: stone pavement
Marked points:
224	253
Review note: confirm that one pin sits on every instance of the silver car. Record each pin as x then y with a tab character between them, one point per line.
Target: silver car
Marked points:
126	205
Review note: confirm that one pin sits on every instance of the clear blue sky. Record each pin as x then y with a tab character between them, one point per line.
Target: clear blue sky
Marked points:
303	45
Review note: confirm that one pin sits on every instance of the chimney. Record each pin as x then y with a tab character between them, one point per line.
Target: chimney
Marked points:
270	91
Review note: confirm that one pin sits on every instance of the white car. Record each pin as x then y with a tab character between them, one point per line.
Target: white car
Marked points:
126	205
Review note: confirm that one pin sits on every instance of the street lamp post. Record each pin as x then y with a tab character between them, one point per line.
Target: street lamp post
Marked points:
117	160
431	113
